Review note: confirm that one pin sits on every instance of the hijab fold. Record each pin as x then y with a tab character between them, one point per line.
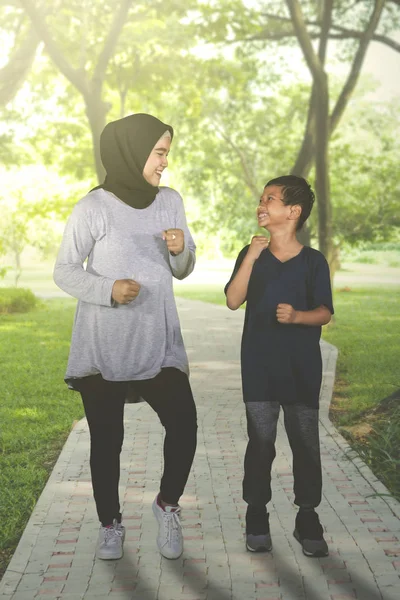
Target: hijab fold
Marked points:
125	146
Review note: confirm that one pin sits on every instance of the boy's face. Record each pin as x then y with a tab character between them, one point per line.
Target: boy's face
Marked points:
272	210
272	213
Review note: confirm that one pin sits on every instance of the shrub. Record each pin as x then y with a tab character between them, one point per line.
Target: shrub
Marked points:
16	300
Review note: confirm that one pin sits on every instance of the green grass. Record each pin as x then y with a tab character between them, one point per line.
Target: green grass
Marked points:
204	292
36	412
367	331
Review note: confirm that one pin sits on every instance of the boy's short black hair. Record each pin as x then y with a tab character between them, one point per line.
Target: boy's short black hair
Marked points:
296	190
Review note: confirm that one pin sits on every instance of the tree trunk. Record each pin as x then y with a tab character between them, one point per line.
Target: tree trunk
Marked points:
303	166
96	111
322	182
18	269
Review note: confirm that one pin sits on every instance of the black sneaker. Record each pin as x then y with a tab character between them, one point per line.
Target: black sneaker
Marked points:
308	531
258	537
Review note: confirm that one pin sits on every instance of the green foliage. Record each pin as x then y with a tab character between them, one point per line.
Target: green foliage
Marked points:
222	73
32	201
36	411
16	300
365	176
238	141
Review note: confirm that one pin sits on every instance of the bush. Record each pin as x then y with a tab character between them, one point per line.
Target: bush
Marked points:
16	300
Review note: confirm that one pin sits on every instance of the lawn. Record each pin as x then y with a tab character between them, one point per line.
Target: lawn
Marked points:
37	410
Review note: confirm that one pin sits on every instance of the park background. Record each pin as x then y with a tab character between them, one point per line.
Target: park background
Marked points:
253	89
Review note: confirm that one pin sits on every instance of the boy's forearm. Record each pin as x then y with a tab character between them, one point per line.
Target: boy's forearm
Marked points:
237	291
317	316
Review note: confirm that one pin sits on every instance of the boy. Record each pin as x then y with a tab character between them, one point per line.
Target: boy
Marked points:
288	293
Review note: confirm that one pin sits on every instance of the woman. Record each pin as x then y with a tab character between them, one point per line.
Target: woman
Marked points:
126	335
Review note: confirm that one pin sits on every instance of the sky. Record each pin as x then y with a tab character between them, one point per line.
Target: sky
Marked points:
384	64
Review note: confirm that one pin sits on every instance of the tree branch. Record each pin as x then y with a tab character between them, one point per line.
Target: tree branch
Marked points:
304	157
355	70
73	75
14	73
340	33
111	40
246	171
299	26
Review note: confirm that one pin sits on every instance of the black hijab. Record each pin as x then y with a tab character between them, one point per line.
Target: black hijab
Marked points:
125	146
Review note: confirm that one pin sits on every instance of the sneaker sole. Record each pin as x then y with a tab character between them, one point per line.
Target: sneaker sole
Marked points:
98	555
316	554
259	549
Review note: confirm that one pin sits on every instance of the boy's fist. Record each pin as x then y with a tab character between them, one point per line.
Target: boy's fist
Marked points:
257	245
285	313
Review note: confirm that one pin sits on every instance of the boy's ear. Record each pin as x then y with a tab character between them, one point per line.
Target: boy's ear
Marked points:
295	212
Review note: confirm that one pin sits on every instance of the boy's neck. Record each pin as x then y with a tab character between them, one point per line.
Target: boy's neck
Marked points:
284	240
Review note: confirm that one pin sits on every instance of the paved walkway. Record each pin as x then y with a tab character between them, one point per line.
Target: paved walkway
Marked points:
55	557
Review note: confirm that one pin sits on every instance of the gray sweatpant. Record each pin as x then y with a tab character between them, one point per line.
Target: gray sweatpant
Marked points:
301	424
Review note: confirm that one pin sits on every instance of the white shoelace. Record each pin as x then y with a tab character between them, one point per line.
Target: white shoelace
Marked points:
172	525
112	534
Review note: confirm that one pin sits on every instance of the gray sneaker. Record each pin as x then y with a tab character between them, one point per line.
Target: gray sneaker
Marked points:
258	543
309	532
258	537
110	542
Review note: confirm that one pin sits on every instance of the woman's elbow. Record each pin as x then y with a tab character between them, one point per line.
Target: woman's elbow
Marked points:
56	274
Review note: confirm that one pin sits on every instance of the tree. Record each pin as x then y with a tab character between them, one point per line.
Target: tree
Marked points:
89	85
322	20
32	200
22	54
82	29
239	140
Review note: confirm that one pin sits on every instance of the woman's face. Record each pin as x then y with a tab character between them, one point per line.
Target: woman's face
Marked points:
157	161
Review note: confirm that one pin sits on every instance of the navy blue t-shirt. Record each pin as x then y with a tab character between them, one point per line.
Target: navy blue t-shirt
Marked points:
282	362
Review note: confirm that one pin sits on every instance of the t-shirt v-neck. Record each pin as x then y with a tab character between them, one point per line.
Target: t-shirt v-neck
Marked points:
285	261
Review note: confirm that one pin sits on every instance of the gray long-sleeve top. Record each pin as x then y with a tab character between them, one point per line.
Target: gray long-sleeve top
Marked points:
124	342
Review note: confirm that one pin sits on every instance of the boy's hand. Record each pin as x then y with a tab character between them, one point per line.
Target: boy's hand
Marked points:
125	290
257	245
285	313
175	240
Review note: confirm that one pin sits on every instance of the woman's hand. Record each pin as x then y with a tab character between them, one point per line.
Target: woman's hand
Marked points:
175	240
125	290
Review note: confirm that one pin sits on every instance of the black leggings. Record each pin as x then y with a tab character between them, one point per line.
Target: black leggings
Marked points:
170	396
